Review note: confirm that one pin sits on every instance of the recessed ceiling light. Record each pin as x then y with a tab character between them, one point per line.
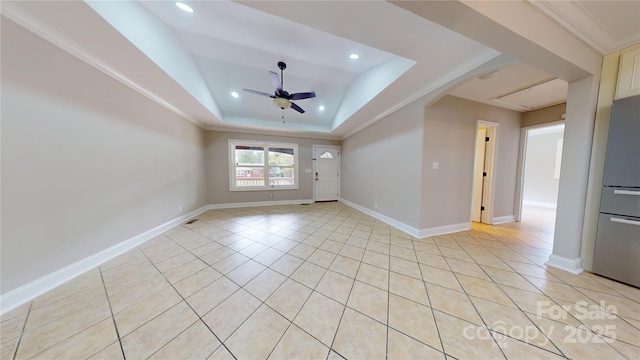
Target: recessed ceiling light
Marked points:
184	7
321	107
235	94
354	56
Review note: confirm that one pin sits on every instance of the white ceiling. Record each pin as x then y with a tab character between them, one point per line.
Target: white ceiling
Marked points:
605	25
190	62
508	81
235	47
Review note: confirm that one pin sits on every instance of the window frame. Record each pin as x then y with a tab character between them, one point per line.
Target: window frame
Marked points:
265	166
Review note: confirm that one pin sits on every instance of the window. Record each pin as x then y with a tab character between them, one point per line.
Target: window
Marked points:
262	166
326	155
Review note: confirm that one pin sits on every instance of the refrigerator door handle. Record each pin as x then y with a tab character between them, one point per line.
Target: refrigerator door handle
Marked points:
626	192
625	221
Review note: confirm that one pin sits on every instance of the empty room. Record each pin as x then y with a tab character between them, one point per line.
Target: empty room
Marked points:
320	179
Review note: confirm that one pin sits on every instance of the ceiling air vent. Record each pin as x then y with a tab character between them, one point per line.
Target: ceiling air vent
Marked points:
547	93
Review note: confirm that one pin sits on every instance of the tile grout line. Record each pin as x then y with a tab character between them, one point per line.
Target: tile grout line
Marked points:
320	220
590	327
113	318
242	286
424	283
24	327
503	292
345	305
524	312
189	305
312	290
474	262
495	343
491	331
517	306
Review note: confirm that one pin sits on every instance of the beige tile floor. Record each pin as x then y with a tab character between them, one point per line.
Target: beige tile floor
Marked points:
325	281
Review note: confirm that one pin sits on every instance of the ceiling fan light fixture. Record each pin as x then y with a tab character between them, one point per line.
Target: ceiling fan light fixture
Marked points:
281	98
282	103
184	7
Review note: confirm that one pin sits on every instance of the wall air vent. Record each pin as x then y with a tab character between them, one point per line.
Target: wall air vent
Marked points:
547	93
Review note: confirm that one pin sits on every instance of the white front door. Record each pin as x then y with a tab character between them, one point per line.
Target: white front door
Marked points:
326	172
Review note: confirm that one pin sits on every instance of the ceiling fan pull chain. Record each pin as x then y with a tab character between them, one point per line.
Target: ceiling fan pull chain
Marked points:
283	116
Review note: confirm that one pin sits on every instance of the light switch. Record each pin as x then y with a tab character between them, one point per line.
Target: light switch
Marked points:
435	164
308	171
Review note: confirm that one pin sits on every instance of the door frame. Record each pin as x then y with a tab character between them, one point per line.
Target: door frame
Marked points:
522	160
480	149
313	169
491	166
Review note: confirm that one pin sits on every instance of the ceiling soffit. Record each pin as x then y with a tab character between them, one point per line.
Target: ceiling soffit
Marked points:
212	55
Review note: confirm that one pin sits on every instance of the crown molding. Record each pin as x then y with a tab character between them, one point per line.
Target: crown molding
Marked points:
22	18
580	22
438	88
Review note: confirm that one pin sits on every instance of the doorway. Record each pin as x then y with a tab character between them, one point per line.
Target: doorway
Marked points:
484	172
541	155
326	172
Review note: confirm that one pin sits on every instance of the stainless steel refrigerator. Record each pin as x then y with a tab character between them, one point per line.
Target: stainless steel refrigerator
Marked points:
617	250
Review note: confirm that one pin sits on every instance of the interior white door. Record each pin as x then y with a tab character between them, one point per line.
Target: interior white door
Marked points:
327	172
478	178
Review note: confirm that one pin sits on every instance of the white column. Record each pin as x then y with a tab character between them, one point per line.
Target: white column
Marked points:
574	175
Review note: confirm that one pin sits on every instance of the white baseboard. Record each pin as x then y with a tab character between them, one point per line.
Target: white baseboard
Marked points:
573	266
503	220
417	233
540	204
443	230
393	222
30	291
259	203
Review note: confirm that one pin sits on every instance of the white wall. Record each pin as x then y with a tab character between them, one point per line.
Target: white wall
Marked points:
582	98
540	185
86	162
449	135
383	163
217	160
390	163
544	115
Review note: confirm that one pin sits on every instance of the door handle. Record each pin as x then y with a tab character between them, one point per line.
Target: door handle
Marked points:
316	176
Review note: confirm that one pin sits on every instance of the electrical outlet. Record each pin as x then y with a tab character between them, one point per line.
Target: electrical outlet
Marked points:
271	196
436	165
375	205
180	208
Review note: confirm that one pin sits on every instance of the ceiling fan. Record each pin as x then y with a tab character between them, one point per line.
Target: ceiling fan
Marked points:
281	98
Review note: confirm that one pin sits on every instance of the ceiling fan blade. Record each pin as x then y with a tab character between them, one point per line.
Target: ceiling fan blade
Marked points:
297	108
271	107
276	82
305	95
257	92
